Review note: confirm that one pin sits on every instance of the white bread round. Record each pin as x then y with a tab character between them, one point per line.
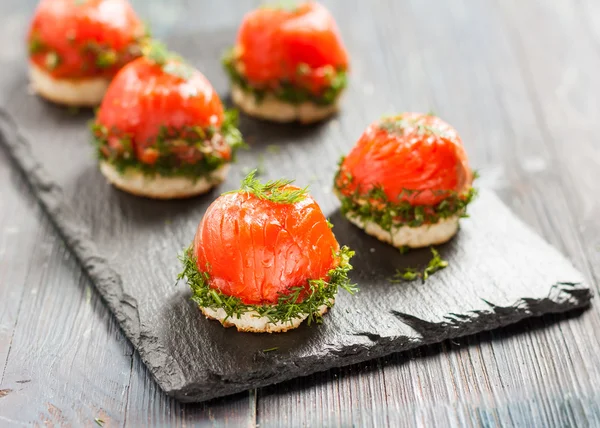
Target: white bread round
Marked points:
252	322
413	237
273	109
73	92
158	187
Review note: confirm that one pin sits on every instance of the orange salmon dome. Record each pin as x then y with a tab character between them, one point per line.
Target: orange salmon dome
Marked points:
411	157
258	250
301	45
85	38
407	181
161	131
288	64
149	99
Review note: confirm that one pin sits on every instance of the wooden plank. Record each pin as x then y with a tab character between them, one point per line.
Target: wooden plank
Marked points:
480	57
479	381
501	375
14	266
68	361
149	406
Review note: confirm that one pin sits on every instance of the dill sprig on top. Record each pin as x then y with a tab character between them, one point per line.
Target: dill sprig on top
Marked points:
306	299
401	125
170	62
273	190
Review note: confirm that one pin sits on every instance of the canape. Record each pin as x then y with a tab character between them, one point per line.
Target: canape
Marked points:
161	131
264	259
76	47
407	181
288	64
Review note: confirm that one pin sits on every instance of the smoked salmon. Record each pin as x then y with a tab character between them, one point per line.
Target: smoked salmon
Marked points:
264	258
76	47
288	63
407	180
161	130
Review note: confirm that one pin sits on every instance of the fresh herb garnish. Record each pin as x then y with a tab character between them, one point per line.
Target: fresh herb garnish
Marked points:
106	58
197	142
179	69
316	292
275	348
157	52
286	90
273	190
412	274
170	62
401	125
35	44
99	422
52	60
375	206
289	5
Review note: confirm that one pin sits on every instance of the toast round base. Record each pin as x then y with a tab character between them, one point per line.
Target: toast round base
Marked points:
158	187
412	237
252	322
71	92
273	109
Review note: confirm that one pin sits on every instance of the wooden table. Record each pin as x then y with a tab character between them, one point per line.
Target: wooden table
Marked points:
519	79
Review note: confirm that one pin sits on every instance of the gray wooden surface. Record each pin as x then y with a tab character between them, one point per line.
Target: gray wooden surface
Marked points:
520	82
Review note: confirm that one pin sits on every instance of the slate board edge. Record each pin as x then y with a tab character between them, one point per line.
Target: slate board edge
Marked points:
124	307
577	297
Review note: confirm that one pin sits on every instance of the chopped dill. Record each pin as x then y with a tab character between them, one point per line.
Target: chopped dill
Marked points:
375	206
52	60
106	58
316	292
157	52
287	90
179	69
289	5
170	62
168	164
411	274
36	45
400	125
272	190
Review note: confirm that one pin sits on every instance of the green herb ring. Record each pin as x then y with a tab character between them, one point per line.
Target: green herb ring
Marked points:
319	293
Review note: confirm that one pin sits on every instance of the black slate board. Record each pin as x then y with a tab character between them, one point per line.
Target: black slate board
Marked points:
500	272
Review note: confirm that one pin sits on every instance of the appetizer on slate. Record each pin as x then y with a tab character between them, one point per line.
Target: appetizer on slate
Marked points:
264	259
288	64
77	46
161	131
407	181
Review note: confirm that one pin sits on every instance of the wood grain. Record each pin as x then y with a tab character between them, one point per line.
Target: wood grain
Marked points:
500	72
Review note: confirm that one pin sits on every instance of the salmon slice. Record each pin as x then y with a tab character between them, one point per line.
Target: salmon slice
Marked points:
82	39
412	157
162	97
258	250
301	45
